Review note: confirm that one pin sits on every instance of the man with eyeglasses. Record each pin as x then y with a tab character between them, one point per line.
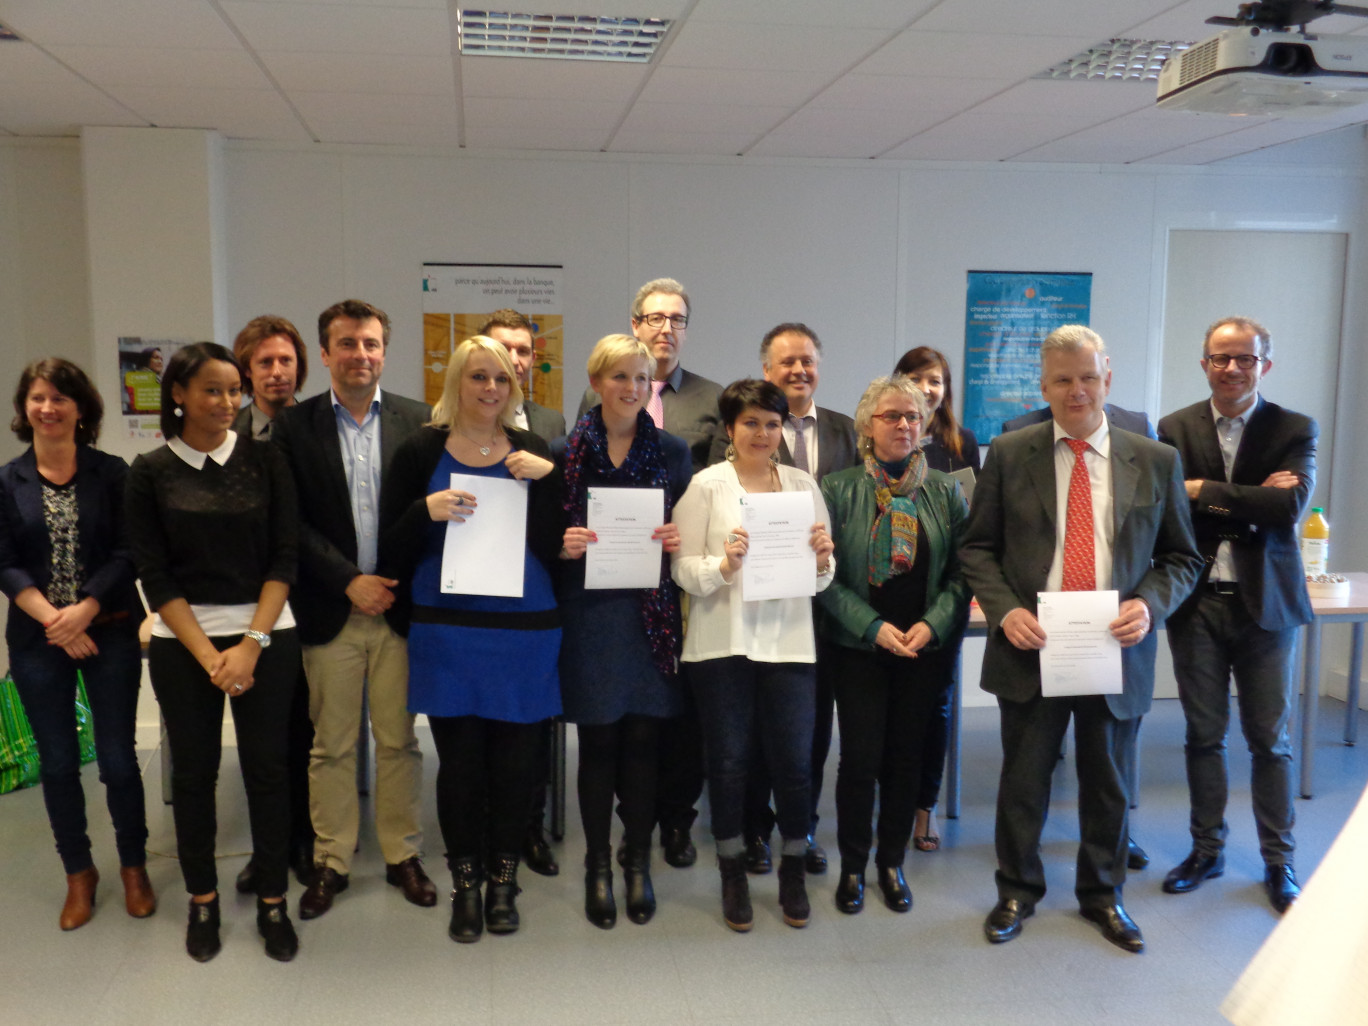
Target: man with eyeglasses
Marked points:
685	405
1072	505
1251	468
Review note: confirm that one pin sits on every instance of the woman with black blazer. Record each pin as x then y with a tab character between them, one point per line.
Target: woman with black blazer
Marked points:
67	571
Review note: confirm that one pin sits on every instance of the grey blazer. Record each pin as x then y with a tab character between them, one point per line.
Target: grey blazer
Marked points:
543	421
1126	420
1010	541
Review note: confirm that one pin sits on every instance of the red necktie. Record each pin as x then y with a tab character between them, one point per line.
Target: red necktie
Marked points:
1080	571
654	406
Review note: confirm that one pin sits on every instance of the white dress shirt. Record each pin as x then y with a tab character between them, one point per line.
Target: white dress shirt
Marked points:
1097	458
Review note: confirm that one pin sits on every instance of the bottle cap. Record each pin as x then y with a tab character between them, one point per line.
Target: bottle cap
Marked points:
1317	509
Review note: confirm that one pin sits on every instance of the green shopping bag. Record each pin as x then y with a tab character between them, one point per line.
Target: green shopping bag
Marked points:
18	750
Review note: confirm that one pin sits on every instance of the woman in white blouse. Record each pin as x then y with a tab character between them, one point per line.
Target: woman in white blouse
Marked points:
750	662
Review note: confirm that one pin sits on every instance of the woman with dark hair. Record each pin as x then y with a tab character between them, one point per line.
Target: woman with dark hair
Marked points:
948	447
750	663
620	650
896	612
212	519
482	667
67	571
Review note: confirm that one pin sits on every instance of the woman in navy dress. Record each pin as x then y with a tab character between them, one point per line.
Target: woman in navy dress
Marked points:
620	652
948	446
481	667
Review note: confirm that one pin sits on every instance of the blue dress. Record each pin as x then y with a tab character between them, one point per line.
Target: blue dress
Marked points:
481	655
606	667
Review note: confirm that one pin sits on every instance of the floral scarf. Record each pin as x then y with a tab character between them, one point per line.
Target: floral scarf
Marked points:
586	459
893	538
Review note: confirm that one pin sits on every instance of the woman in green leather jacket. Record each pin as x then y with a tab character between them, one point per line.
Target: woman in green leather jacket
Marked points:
896	613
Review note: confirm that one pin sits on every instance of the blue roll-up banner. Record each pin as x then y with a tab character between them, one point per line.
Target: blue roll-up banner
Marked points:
1007	314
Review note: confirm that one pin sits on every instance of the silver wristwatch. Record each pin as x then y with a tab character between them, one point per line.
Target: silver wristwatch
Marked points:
260	637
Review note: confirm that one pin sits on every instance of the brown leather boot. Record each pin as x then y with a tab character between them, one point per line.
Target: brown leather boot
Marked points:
80	899
138	896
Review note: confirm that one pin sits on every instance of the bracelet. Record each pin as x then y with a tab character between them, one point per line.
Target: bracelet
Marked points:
824	571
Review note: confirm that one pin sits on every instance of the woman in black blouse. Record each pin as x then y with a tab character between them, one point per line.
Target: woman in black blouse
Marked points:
66	568
947	447
213	525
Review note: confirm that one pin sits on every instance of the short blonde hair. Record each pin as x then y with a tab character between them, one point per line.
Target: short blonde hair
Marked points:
869	402
448	408
612	348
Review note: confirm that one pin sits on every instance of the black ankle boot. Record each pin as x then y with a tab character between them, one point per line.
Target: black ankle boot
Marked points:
501	914
793	898
636	868
273	923
202	933
736	905
467	918
599	906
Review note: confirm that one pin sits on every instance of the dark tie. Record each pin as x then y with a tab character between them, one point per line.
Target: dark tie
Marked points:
800	456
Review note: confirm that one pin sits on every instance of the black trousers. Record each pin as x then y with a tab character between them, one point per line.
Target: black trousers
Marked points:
618	759
485	773
193	710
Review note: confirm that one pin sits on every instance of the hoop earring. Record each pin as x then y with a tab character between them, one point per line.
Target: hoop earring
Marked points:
731	453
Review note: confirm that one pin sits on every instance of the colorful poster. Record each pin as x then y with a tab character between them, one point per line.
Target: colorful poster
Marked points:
1007	316
458	298
141	362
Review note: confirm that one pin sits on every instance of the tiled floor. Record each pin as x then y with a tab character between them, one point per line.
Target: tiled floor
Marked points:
376	959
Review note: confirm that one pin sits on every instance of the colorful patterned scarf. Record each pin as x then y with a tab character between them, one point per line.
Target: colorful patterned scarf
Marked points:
586	459
893	538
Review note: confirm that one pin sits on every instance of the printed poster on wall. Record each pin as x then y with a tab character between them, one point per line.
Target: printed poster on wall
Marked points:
141	363
457	300
1007	315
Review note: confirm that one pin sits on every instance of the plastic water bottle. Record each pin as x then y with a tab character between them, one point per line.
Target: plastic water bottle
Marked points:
1315	542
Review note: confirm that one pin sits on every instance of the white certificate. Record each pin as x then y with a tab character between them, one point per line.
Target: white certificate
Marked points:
624	556
779	560
1080	656
484	555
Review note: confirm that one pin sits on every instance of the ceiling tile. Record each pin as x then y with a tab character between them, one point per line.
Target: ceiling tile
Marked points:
1129	139
531	78
591	123
723	85
334	28
971	54
1097	19
25	64
237	113
377	107
60	108
976	136
896	92
154	23
884	14
334	73
1233	144
835	132
719	144
349	130
769	47
1087	99
110	66
703	118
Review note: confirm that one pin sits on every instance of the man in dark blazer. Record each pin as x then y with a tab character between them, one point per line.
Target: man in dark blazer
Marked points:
338	445
274	365
1126	420
685	405
1128	493
513	331
1250	468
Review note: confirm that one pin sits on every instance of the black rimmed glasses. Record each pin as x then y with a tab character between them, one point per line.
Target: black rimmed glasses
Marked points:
1245	361
657	320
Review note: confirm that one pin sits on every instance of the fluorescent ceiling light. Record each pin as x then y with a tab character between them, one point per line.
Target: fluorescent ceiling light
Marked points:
575	37
1134	60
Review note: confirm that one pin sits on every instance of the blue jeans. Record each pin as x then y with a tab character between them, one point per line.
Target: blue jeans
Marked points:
740	700
45	677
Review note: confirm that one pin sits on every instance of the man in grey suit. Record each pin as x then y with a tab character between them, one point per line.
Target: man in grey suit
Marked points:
685	405
338	445
819	441
513	331
1072	505
1250	467
1126	420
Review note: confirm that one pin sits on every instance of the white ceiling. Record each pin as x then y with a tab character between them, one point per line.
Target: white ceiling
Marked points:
896	79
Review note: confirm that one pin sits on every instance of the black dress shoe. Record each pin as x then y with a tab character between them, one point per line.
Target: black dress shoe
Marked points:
758	859
850	893
814	859
202	932
301	861
679	847
537	854
1136	856
1117	927
896	894
409	877
1189	874
273	923
246	882
327	884
1281	884
1004	922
